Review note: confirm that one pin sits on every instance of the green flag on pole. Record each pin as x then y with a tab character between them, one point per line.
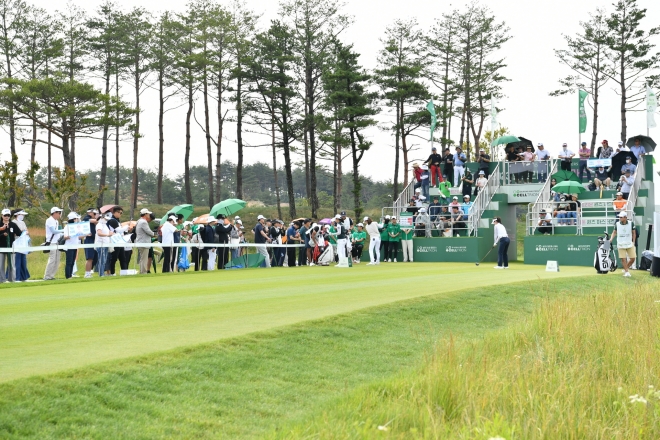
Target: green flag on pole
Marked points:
583	114
434	120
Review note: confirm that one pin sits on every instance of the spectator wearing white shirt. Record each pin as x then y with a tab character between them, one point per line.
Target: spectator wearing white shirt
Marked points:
102	240
501	238
459	166
20	259
542	156
144	234
566	157
53	234
167	231
545	223
71	254
637	149
374	241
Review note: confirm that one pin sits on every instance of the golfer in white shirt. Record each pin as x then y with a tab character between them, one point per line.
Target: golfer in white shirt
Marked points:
374	241
502	238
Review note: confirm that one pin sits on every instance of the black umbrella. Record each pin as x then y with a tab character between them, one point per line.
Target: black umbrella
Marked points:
619	160
522	144
647	142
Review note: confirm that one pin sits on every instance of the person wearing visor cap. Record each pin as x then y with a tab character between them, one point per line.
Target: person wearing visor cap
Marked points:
53	234
394	233
619	203
20	259
359	238
626	235
9	231
143	234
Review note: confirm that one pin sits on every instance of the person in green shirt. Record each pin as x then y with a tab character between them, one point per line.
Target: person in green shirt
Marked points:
394	233
407	233
358	238
385	239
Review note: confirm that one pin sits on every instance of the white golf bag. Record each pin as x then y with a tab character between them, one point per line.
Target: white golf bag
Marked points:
604	259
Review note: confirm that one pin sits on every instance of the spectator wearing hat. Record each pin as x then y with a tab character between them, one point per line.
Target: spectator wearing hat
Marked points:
423	224
235	236
167	231
276	233
468	181
53	234
91	258
601	177
629	166
261	238
20	259
528	163
385	239
119	253
143	235
292	239
302	253
619	148
543	157
459	166
9	231
359	238
481	182
627	181
102	241
638	149
619	203
417	173
466	205
454	202
71	254
342	237
425	180
502	238
484	162
394	235
585	153
433	163
566	157
223	231
626	235
448	169
604	151
544	226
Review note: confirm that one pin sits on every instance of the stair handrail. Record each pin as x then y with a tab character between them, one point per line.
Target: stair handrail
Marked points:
483	199
544	196
402	202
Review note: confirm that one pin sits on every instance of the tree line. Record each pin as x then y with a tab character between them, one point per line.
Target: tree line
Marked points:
613	48
294	83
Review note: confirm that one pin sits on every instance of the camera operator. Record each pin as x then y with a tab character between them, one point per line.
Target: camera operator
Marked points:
483	160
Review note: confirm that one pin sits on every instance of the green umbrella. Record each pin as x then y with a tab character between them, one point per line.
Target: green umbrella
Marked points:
227	207
252	260
563	175
184	210
569	187
505	140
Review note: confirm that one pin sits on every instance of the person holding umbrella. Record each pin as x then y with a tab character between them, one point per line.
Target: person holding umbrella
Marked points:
20	259
501	238
638	149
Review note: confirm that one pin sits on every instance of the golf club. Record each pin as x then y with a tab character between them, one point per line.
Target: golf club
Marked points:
485	256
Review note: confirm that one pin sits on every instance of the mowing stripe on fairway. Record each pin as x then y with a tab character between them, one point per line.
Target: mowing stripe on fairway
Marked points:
59	326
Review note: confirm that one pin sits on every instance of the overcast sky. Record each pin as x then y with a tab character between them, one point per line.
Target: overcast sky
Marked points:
536	29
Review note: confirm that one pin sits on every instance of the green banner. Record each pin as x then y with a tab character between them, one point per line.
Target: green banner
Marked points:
434	120
583	114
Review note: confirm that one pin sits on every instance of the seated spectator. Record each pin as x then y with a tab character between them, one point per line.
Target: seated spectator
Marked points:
454	202
467	204
619	203
457	219
574	209
420	201
561	209
626	183
601	177
545	223
423	224
435	208
629	166
554	196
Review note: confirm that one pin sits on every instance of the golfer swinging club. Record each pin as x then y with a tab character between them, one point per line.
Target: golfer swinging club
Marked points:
503	238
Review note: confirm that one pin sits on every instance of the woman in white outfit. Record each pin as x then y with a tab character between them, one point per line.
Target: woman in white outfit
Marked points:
374	241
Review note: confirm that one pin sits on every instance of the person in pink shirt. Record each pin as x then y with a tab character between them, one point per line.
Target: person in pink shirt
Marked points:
585	154
528	157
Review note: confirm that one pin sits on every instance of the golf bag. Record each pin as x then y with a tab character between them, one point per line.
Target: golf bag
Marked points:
646	261
604	260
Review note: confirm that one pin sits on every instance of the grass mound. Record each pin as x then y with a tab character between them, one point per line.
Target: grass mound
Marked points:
584	367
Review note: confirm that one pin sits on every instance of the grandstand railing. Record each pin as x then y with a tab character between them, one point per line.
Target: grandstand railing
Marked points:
533	209
403	201
483	200
601	213
526	172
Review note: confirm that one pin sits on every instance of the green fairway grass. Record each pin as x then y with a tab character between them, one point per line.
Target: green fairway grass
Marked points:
253	385
46	328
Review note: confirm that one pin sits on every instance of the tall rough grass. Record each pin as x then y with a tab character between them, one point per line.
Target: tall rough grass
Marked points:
584	368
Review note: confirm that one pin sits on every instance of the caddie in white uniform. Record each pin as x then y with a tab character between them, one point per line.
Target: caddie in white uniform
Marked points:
625	234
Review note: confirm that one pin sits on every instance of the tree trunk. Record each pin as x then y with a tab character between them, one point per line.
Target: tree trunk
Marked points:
104	142
357	183
277	186
207	128
186	172
287	152
312	143
594	131
117	141
622	79
218	153
136	139
404	149
306	142
161	136
397	131
50	163
11	201
239	138
335	204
